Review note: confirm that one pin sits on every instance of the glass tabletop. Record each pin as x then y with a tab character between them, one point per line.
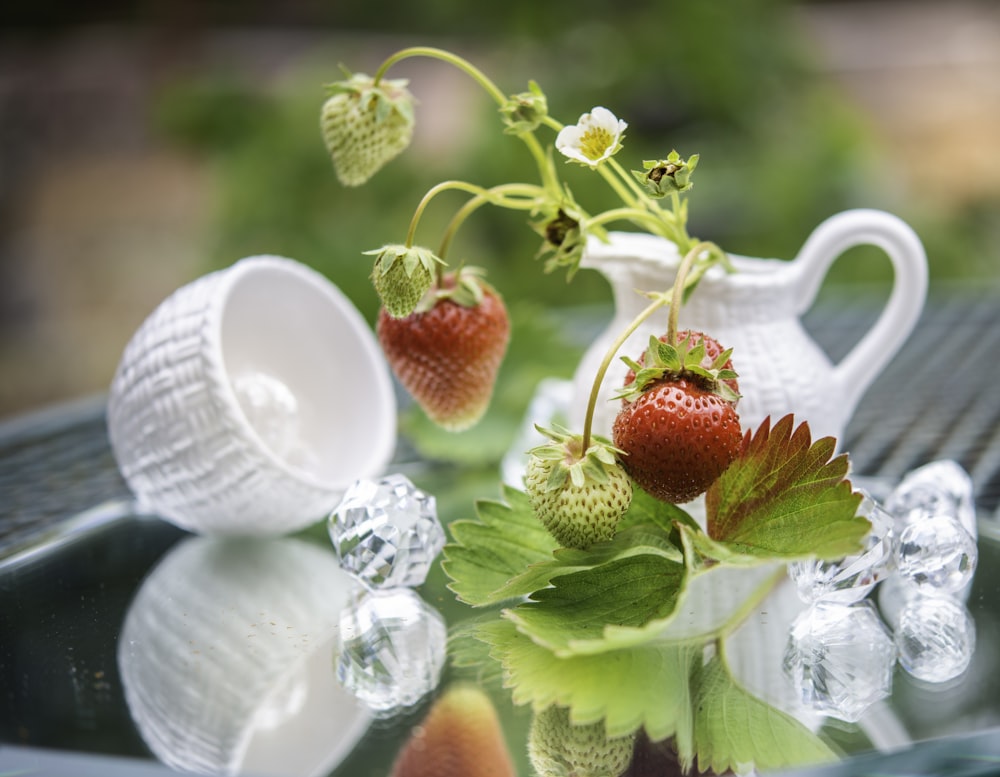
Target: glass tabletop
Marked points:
243	668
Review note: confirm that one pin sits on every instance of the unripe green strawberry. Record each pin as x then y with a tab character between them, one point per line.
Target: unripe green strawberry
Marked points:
557	748
366	125
579	496
402	275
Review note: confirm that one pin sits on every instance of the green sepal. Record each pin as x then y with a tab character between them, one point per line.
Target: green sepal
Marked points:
660	177
663	360
525	112
389	96
570	462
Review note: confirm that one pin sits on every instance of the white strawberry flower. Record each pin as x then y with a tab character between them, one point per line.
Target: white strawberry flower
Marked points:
594	138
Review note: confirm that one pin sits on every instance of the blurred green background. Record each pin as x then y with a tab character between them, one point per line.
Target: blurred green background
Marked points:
143	144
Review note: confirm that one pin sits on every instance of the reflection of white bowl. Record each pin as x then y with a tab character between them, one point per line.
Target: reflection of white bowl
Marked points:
250	399
226	657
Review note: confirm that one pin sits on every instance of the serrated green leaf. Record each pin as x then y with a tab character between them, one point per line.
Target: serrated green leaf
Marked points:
629	541
488	552
735	730
600	608
638	687
786	497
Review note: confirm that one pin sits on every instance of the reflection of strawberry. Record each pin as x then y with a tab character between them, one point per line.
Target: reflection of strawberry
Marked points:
678	424
447	353
365	126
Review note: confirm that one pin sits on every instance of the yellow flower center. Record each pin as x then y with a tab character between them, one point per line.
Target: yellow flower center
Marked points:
595	143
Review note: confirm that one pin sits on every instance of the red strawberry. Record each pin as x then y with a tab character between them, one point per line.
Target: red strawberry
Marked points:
447	353
678	424
712	352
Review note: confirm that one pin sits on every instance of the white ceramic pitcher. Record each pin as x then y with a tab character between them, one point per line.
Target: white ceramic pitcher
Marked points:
755	311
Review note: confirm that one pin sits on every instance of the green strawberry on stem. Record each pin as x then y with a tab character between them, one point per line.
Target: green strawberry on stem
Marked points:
578	495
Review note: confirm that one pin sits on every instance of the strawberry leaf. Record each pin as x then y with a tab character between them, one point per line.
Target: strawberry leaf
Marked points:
786	497
663	688
488	552
734	729
645	686
598	608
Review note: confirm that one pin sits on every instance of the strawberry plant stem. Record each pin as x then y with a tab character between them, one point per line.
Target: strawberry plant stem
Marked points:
445	56
528	197
659	301
495	196
677	293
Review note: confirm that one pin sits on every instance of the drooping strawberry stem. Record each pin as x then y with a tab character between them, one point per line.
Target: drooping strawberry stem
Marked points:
677	292
514	196
675	300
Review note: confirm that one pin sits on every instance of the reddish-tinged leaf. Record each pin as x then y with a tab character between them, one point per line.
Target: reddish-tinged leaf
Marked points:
786	496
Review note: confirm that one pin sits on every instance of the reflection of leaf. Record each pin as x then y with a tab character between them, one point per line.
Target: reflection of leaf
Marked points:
664	689
645	686
735	730
785	497
488	552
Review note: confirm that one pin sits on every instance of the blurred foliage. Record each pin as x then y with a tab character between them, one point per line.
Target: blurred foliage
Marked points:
780	147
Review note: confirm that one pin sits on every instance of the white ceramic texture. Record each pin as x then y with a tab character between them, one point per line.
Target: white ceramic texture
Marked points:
184	427
227	657
756	312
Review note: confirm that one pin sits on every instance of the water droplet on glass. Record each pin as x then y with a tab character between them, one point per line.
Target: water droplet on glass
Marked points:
936	554
936	638
386	532
840	658
849	579
392	649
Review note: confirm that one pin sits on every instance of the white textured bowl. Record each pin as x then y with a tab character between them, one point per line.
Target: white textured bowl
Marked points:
227	659
249	400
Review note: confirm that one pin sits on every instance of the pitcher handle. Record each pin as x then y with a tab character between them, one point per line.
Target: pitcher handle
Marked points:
855	372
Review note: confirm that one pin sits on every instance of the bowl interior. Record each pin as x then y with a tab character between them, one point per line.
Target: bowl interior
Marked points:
307	372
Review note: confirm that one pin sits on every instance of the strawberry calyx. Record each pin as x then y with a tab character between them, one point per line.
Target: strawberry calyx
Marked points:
466	287
665	361
388	96
570	462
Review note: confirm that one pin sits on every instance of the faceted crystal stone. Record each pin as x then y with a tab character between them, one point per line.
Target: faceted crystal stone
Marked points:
392	649
840	658
386	532
941	487
936	554
936	637
850	579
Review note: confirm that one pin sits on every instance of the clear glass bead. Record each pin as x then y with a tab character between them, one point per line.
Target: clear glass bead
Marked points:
936	638
392	649
386	532
935	554
940	488
849	579
840	658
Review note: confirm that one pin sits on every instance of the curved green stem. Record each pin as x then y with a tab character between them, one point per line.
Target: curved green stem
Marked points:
678	289
528	192
658	301
642	218
444	56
